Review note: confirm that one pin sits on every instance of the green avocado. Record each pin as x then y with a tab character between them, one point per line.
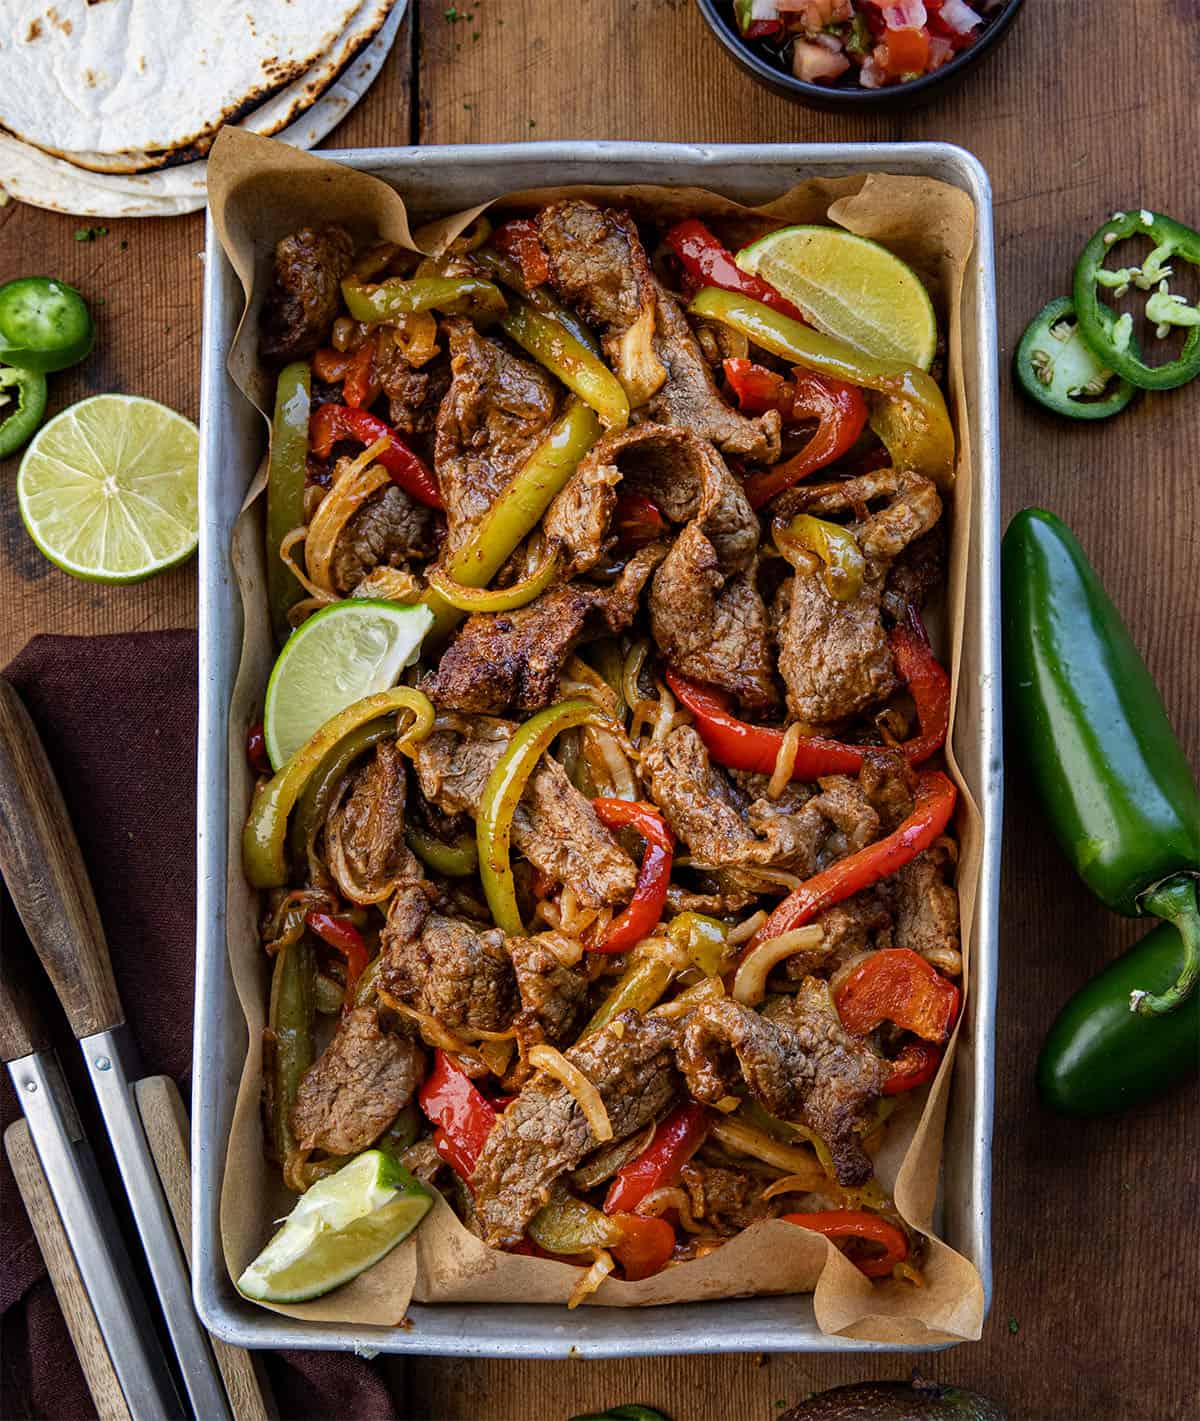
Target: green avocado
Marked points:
897	1401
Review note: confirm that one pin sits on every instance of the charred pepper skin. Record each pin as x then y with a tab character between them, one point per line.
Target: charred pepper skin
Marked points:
1100	1058
1113	782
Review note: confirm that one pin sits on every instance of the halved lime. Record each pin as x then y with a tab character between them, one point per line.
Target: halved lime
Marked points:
346	652
338	1228
107	488
851	288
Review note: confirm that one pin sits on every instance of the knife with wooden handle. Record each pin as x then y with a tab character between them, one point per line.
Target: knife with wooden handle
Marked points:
83	1206
44	869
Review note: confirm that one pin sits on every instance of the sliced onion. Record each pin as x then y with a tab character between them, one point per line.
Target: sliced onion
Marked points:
727	1104
571	1078
746	1140
750	983
354	486
291	539
602	752
658	1201
785	761
591	1280
497	1054
433	1033
789	1184
710	990
959	16
745	931
568	950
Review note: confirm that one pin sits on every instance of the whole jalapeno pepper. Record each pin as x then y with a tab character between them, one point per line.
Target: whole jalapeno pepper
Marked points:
1113	781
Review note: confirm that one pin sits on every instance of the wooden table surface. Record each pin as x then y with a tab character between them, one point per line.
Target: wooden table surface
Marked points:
1085	108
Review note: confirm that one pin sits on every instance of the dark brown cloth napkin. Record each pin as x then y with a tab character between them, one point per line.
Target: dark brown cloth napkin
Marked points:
117	715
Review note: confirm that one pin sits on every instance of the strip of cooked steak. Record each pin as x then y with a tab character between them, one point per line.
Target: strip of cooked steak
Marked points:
728	1200
554	826
543	1133
512	660
302	302
926	905
494	415
387	531
598	264
861	923
797	1063
357	1087
413	395
364	834
833	655
553	997
690	397
446	967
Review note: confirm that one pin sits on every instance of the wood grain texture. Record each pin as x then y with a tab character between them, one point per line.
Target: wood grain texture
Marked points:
165	1117
64	1274
21	1028
1083	109
47	878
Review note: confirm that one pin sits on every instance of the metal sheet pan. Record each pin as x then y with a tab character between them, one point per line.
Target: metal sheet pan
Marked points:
443	179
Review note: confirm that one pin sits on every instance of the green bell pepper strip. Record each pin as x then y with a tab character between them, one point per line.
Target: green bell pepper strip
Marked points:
639	987
391	299
504	788
1099	1057
515	513
1111	341
286	475
289	1037
313	804
1056	368
911	418
845	567
264	837
22	405
497	599
568	1225
704	939
456	860
504	269
1113	782
551	344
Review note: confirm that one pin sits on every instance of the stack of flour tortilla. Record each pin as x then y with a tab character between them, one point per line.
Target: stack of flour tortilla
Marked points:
108	107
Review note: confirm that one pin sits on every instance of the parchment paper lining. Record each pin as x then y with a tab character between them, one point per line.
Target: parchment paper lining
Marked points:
260	190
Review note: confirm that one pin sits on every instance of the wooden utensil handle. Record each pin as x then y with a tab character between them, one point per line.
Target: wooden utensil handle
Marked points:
41	862
21	1031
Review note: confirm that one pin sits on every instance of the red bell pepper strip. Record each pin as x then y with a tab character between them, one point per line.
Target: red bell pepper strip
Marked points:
341	934
759	389
331	423
256	749
857	1223
520	240
898	985
361	386
916	1064
463	1115
841	412
646	1247
708	263
929	686
331	365
935	799
645	910
677	1138
637	520
738	745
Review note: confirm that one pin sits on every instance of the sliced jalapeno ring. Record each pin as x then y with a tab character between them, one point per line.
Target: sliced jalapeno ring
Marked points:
22	405
44	324
1111	341
1057	369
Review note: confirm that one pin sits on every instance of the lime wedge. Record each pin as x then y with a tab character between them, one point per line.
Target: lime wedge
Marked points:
107	488
851	288
346	652
338	1228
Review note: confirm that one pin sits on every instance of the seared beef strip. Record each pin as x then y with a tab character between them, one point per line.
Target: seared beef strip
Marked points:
494	415
705	610
303	300
796	1061
926	906
727	1200
362	1081
598	265
413	395
364	834
554	826
387	531
552	996
512	660
446	967
862	923
543	1133
919	569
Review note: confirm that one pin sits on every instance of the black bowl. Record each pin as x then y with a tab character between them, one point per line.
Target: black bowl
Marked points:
719	16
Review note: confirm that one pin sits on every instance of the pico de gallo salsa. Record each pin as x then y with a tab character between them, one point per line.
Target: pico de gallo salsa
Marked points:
863	43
